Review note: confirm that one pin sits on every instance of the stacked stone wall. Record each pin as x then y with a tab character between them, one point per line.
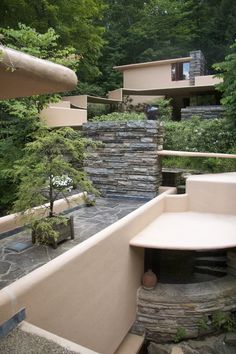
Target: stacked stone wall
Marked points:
126	164
204	112
197	65
191	307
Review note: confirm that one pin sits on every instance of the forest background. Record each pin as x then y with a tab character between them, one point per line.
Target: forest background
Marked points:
106	33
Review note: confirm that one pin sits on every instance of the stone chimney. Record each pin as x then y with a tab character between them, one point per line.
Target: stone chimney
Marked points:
197	65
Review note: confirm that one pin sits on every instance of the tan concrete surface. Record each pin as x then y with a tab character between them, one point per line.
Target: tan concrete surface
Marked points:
207	80
152	63
214	193
188	231
203	218
63	117
64	343
88	294
24	75
130	345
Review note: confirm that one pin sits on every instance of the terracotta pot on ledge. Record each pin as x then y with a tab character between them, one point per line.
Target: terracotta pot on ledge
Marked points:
149	280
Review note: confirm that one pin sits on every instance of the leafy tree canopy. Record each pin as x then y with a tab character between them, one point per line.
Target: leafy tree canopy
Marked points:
78	23
19	118
228	86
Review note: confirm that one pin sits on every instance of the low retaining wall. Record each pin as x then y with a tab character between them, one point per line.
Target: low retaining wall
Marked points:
14	221
127	162
205	112
186	310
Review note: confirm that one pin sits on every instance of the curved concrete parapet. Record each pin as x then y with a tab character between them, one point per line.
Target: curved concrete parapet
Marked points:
24	75
88	294
202	219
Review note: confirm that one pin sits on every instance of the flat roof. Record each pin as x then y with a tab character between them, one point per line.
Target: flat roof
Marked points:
23	75
152	63
168	91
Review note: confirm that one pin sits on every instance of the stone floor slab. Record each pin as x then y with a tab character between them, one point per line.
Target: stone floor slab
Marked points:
19	257
19	246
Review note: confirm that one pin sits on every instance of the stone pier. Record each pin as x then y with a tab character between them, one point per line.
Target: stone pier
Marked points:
126	164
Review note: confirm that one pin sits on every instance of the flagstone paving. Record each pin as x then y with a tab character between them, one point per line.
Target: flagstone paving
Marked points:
87	221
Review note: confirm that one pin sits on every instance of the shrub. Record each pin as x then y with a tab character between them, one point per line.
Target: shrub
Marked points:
165	108
117	116
200	136
180	334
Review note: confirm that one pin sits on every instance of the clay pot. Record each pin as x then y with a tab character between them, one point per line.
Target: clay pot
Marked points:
149	280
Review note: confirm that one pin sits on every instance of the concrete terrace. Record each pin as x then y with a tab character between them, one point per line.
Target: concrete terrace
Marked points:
87	222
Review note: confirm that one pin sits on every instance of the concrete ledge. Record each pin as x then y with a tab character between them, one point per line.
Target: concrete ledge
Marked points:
14	221
31	75
69	345
131	344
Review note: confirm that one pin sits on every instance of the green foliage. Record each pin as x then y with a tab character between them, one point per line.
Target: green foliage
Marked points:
180	334
203	323
110	32
19	118
50	157
213	27
89	199
224	321
165	108
95	110
213	135
78	24
202	136
117	116
42	45
47	229
85	88
228	86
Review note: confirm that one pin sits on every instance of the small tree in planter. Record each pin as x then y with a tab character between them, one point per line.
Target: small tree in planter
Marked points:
46	173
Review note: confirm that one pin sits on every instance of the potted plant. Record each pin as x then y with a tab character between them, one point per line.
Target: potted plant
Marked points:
50	168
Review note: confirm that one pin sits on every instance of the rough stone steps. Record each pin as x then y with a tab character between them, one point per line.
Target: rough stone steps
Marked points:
211	261
211	253
181	189
216	271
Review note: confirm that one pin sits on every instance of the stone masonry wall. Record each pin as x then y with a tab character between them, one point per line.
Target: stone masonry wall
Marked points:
126	164
205	112
197	65
191	308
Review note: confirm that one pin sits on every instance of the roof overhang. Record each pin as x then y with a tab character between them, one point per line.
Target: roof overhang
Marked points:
152	63
23	75
102	100
169	91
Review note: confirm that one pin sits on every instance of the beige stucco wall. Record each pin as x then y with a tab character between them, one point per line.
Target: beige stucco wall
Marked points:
202	219
151	77
115	94
79	100
215	193
88	294
207	80
63	117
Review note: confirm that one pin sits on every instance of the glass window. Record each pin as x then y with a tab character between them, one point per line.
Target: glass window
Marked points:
185	71
180	71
